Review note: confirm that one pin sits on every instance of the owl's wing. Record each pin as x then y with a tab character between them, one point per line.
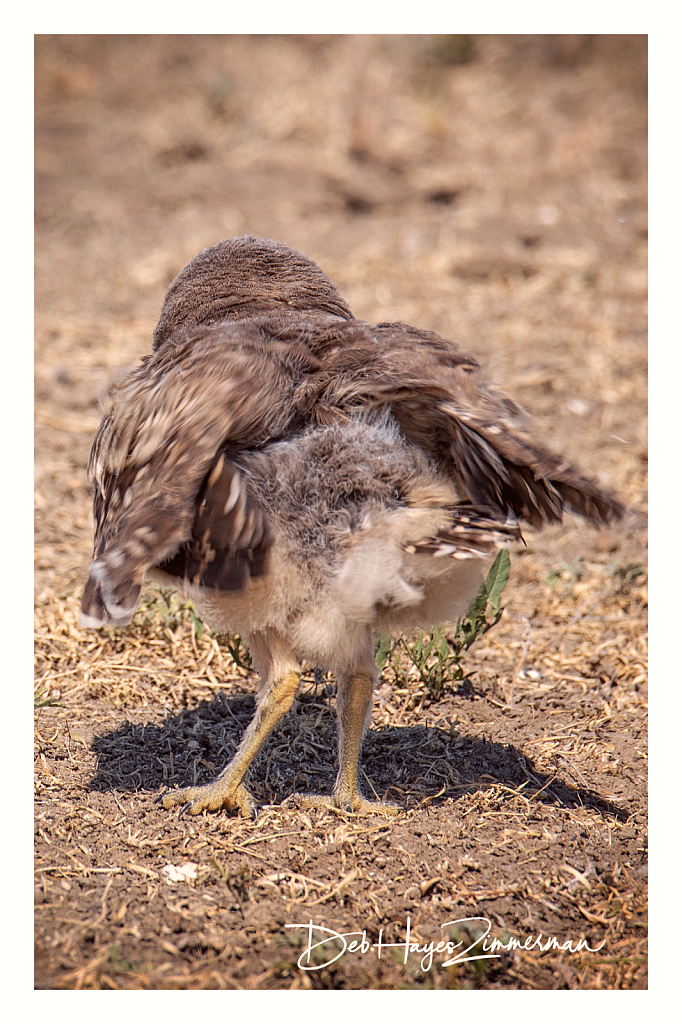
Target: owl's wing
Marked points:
473	431
166	488
473	533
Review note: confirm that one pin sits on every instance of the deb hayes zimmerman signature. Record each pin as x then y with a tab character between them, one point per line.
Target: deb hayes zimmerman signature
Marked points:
447	947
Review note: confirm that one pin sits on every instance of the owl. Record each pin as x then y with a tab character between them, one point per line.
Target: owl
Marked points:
307	479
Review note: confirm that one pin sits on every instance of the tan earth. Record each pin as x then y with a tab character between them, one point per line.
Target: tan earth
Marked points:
490	189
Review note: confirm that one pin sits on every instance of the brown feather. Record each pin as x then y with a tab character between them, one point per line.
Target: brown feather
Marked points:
230	540
254	346
473	533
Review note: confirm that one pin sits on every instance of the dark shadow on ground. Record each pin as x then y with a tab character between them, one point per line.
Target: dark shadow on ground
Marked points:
404	765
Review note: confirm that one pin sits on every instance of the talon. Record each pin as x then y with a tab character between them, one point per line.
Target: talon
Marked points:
356	805
214	797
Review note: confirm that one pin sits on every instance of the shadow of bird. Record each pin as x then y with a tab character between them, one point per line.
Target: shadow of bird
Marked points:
307	478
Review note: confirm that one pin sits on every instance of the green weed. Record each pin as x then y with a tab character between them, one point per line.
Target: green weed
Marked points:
42	700
436	656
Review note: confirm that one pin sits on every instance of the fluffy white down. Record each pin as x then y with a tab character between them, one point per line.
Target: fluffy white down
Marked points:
324	598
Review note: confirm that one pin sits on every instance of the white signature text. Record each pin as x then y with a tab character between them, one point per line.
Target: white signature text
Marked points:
323	942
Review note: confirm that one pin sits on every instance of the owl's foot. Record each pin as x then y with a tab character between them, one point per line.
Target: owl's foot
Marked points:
228	790
212	797
351	803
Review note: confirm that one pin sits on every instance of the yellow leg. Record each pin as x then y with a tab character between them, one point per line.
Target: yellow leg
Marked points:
353	711
275	697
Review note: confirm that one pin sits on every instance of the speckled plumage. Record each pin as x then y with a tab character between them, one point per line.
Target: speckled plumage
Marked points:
307	478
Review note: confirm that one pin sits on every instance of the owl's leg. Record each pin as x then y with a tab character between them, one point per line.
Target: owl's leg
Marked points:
353	709
280	674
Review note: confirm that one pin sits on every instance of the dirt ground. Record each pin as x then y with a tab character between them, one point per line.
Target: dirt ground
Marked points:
490	189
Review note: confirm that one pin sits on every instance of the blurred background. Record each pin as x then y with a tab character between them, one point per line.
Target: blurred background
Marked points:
490	188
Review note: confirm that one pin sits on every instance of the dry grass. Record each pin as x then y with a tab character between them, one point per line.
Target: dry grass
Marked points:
493	190
519	790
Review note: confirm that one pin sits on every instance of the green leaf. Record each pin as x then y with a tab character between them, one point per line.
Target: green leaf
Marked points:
42	700
233	647
496	580
198	624
383	650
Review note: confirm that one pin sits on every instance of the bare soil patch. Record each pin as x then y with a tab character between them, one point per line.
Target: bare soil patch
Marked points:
491	189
